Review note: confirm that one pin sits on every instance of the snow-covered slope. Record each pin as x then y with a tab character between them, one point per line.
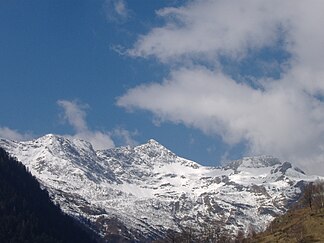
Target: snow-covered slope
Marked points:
144	192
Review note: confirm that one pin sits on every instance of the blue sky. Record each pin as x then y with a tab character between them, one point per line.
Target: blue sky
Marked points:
211	80
63	50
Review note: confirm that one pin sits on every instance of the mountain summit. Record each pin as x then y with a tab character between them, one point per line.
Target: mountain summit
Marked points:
145	192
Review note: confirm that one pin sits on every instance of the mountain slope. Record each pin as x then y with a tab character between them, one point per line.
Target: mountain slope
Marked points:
27	213
146	192
302	223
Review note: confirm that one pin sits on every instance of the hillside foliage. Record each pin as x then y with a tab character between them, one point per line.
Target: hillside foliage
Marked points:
302	223
26	211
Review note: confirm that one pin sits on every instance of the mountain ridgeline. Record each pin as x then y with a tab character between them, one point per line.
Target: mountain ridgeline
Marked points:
147	193
26	212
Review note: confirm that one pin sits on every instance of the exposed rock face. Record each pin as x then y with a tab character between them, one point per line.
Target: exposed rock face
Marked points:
146	191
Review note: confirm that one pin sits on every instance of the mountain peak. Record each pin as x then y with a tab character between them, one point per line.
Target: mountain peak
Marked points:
81	143
154	149
260	161
254	162
49	137
153	141
152	144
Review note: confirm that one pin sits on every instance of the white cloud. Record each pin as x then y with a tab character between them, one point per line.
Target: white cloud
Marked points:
15	135
284	118
99	140
116	10
205	29
74	113
216	104
125	136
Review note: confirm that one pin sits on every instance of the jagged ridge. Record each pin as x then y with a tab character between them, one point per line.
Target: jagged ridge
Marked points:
147	190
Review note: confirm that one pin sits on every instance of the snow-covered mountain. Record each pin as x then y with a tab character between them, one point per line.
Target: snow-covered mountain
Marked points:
146	191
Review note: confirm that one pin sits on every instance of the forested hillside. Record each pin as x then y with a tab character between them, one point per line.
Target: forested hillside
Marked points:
26	211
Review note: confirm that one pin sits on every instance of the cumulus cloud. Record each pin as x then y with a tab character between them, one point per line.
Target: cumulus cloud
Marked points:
15	135
283	117
74	114
116	10
126	137
282	122
210	28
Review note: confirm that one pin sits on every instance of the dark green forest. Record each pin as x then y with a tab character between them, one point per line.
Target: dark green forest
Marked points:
26	211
